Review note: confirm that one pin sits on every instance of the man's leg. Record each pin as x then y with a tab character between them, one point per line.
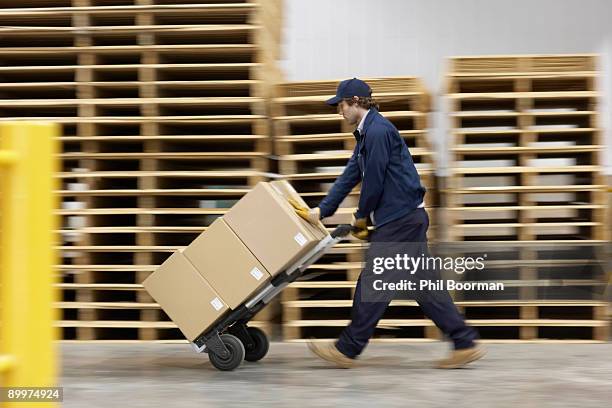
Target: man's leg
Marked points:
439	306
443	312
364	318
366	313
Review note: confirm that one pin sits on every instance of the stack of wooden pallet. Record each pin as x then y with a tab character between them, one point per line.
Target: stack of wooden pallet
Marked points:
165	127
527	188
313	143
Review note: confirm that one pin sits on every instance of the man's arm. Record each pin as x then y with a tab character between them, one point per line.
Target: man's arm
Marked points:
342	186
378	146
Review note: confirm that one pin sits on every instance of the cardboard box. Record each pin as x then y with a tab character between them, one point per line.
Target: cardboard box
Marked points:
226	263
268	225
185	296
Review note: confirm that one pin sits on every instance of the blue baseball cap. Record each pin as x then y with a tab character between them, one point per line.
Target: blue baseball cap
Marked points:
349	88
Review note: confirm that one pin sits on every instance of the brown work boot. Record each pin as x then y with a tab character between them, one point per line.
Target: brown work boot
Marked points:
462	357
329	352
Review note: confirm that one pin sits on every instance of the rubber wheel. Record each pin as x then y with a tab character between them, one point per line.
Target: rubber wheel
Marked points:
260	347
236	354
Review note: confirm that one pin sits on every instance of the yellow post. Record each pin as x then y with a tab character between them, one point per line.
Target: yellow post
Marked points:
28	163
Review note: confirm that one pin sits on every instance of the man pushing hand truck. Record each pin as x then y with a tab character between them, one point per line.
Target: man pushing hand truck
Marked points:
392	198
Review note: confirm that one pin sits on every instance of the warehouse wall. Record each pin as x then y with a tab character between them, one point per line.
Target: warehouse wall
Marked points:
345	38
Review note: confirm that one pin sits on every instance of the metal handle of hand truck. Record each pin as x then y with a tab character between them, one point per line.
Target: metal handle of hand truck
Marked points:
342	230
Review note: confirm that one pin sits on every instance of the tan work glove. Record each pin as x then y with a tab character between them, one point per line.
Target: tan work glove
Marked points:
312	215
360	228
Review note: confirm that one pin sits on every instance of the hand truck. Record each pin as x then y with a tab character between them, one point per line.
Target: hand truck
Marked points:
230	340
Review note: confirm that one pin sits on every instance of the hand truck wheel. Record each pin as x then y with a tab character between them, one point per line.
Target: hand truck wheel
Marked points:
260	346
235	357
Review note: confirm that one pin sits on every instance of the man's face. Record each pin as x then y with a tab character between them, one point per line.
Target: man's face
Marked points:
350	113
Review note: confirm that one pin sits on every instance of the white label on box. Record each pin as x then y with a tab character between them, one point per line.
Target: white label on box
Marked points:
300	239
217	304
256	273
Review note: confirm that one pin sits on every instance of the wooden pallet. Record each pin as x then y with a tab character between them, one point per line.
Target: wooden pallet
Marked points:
609	205
557	66
163	105
526	147
495	320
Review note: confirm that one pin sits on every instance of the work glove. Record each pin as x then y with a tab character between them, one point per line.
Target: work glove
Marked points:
312	215
360	228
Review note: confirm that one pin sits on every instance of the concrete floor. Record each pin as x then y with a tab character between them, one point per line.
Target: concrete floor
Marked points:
172	375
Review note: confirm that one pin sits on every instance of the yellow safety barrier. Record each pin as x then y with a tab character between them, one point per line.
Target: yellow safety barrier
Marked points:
28	162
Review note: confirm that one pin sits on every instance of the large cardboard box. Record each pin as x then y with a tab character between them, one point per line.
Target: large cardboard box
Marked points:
226	263
268	225
185	296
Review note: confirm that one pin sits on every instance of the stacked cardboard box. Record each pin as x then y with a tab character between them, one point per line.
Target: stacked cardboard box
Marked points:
260	237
